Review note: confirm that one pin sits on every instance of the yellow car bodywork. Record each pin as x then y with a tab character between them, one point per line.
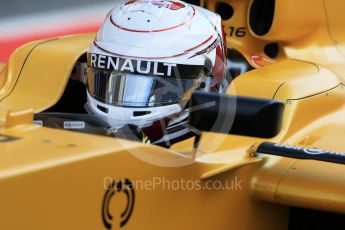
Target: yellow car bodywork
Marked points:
54	179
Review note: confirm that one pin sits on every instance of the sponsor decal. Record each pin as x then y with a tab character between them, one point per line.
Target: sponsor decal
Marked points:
142	67
116	187
74	125
171	5
208	49
316	151
38	122
311	151
131	65
299	152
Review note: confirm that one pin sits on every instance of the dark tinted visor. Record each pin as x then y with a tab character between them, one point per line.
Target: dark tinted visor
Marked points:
134	90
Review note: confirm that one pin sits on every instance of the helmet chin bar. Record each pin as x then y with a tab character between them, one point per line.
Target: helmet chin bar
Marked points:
146	119
119	116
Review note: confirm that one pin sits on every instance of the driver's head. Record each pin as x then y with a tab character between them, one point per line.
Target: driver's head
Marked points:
149	56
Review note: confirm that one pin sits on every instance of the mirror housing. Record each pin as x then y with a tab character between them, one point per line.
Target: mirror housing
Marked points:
237	115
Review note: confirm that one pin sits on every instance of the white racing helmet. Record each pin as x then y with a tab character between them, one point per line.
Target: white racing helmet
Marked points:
149	56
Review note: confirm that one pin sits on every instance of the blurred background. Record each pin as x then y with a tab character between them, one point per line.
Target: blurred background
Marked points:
24	21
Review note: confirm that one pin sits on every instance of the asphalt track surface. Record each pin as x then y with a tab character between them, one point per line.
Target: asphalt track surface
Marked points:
15	8
25	21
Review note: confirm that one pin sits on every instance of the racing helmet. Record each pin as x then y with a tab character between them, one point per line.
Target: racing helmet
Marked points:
149	56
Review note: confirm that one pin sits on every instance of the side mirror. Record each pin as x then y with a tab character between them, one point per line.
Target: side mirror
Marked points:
245	116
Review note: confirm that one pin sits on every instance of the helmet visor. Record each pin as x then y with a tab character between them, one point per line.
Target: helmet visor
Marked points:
137	90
